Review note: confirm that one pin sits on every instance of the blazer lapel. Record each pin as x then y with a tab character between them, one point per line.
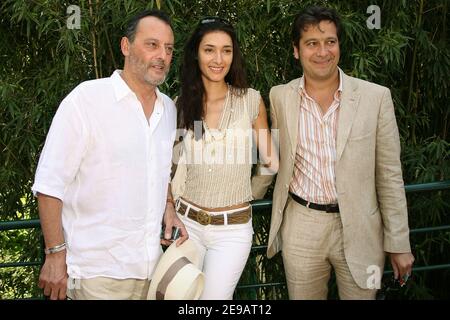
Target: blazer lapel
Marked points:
292	113
347	112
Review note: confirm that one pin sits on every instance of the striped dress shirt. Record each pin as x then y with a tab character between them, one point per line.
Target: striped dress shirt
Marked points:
314	167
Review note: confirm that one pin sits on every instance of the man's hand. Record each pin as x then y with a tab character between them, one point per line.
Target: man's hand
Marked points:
402	265
53	277
171	220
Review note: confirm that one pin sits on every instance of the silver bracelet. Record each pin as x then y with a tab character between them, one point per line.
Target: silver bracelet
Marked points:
55	249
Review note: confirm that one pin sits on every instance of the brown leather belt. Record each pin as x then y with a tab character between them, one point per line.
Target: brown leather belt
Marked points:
204	218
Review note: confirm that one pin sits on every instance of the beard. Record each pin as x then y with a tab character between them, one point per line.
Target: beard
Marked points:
143	69
156	81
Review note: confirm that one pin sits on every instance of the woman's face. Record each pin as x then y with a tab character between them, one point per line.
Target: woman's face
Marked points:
215	55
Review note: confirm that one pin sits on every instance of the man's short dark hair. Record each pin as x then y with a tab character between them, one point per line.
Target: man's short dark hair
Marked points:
130	31
312	16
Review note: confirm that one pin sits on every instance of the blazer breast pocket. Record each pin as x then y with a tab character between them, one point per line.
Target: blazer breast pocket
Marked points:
359	136
363	127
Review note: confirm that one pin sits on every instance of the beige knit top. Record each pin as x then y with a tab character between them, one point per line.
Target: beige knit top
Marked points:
215	171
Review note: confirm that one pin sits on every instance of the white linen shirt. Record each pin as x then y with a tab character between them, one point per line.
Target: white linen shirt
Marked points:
111	169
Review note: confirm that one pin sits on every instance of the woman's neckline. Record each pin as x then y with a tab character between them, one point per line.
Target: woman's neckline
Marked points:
223	113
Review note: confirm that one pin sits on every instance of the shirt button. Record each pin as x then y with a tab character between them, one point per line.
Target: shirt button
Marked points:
209	170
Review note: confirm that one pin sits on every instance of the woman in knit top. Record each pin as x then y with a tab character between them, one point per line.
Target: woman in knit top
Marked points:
222	119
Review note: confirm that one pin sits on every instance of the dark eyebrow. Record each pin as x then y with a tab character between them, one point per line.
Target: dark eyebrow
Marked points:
156	40
213	46
316	39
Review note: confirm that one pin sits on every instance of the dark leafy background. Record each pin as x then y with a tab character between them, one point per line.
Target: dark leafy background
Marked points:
42	60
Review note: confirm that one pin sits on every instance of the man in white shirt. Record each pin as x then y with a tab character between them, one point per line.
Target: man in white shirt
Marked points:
102	181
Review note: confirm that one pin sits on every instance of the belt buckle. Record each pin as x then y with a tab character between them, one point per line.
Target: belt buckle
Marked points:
203	217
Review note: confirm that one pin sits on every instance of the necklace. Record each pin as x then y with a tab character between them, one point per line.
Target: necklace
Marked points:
212	137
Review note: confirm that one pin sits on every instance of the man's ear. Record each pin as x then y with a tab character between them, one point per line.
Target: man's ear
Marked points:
296	52
125	46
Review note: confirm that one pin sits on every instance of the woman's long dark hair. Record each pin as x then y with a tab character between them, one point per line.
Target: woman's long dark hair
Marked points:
190	101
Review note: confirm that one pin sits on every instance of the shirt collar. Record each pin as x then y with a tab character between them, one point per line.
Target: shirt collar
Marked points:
159	103
121	89
302	82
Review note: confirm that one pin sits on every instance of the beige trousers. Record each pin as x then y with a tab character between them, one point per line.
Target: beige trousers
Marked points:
312	245
102	288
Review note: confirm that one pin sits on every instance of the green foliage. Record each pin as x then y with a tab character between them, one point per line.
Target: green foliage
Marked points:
42	60
19	246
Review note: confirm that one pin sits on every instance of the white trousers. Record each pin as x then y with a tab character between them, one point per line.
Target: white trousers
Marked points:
224	250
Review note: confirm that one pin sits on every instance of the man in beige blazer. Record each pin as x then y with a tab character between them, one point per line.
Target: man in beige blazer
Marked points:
339	199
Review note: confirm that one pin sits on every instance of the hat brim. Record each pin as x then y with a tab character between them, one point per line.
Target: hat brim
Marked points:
187	283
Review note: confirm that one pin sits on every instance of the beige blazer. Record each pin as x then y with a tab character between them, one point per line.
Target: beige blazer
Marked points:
368	172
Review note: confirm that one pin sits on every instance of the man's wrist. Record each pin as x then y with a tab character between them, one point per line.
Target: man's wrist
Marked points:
55	249
170	201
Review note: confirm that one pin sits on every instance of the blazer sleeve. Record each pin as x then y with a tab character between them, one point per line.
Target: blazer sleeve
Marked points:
389	180
261	182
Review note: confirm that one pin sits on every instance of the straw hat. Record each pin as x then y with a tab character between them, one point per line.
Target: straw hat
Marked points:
177	276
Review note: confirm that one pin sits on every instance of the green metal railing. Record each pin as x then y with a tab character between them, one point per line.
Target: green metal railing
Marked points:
420	187
258	205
